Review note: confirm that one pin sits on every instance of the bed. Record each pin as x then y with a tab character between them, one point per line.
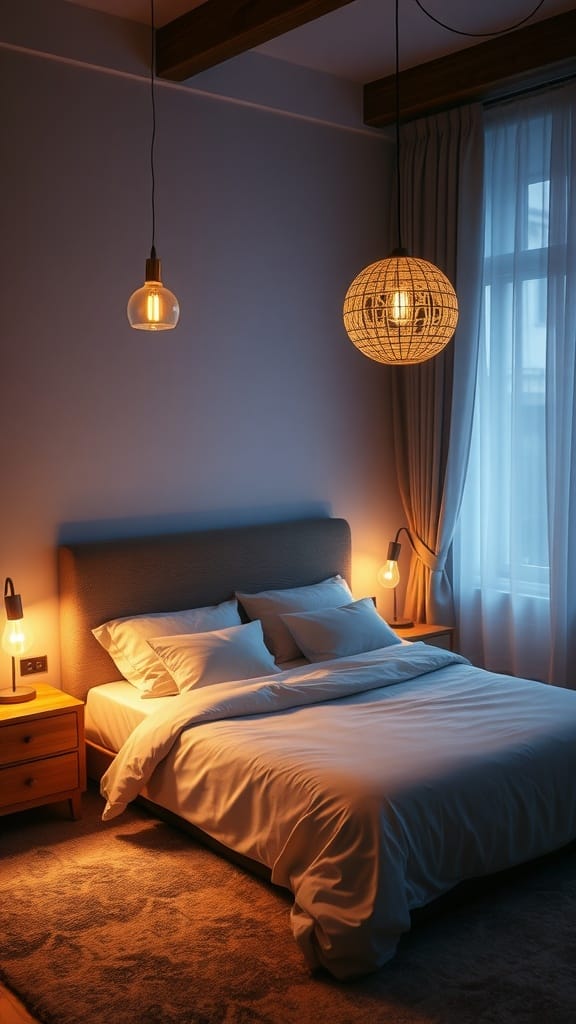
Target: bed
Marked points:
364	774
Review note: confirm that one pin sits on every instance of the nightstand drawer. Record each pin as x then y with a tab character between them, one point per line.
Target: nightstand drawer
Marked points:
428	633
440	641
38	779
24	741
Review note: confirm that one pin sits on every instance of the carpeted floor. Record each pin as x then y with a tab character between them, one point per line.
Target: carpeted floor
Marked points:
133	923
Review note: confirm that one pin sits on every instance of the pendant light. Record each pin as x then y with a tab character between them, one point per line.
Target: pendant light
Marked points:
153	307
400	310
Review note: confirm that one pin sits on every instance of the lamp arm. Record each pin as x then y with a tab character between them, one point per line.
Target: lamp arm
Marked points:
433	557
404	529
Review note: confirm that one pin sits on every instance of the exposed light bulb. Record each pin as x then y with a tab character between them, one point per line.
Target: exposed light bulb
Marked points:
400	310
153	307
388	575
17	637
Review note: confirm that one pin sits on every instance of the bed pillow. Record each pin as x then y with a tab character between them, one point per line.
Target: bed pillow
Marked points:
269	605
340	632
125	640
201	659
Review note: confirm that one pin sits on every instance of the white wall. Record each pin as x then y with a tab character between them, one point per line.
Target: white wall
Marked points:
257	406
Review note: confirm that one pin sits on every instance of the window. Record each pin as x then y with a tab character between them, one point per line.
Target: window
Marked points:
514	525
506	489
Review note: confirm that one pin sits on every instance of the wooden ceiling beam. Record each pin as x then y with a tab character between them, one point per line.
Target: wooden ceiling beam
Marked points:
220	29
529	56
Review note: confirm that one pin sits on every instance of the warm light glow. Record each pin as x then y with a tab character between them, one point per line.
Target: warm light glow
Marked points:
153	304
400	310
17	637
153	308
389	575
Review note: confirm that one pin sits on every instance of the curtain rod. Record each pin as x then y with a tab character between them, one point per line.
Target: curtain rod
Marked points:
533	89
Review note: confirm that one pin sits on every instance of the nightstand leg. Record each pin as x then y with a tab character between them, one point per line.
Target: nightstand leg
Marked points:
75	804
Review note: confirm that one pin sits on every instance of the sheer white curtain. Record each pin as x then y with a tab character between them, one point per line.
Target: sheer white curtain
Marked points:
515	550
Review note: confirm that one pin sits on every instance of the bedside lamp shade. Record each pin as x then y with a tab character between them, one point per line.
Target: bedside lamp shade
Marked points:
16	640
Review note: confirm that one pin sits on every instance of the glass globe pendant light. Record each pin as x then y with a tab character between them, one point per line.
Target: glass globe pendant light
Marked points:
153	307
400	310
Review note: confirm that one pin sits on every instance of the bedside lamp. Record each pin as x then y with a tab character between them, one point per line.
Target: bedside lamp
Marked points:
16	640
389	576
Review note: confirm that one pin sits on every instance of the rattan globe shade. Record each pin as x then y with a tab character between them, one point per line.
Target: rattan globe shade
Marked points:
401	310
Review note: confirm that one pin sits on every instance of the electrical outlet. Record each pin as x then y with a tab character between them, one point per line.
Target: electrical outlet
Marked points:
29	666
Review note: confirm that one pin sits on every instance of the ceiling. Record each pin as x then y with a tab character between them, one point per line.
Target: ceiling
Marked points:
356	42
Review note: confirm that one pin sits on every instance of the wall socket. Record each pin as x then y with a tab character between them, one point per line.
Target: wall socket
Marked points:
29	666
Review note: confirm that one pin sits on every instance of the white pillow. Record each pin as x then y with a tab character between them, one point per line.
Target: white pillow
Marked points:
125	640
200	659
269	605
340	632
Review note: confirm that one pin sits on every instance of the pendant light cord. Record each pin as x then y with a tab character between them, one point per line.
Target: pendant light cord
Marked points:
479	35
397	102
153	139
456	31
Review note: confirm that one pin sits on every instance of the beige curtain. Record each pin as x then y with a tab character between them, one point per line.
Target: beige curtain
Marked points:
441	166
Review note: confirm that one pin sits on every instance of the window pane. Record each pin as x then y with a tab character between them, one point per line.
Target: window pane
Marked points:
510	483
538	206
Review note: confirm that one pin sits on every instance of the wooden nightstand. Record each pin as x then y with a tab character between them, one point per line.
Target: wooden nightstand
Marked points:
42	754
437	636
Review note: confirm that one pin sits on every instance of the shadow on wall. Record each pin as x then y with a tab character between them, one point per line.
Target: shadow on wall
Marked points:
207	519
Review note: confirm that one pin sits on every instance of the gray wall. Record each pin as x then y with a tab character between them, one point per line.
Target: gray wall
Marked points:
257	406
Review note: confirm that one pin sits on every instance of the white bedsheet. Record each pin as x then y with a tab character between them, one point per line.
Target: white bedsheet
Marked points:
113	710
368	785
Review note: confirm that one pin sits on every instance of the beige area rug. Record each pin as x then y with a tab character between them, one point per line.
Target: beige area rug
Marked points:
133	923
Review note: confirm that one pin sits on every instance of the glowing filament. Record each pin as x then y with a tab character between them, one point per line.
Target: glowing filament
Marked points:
400	306
16	639
153	307
389	575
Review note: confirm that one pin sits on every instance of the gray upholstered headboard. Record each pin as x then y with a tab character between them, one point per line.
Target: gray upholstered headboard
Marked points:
102	580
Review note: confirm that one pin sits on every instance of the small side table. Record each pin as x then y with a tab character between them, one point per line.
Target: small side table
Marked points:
437	636
42	753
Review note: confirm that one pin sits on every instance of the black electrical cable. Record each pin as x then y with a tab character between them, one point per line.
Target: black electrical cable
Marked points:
456	31
397	101
153	139
479	35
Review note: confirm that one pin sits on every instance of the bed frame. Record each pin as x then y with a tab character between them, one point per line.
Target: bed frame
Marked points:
101	580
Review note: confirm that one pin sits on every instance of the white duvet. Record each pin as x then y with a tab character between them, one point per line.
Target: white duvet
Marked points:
368	785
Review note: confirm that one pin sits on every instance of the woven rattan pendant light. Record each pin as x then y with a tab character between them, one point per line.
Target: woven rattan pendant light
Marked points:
400	310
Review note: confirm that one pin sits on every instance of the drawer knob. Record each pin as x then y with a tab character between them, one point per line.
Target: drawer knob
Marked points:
31	782
27	739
